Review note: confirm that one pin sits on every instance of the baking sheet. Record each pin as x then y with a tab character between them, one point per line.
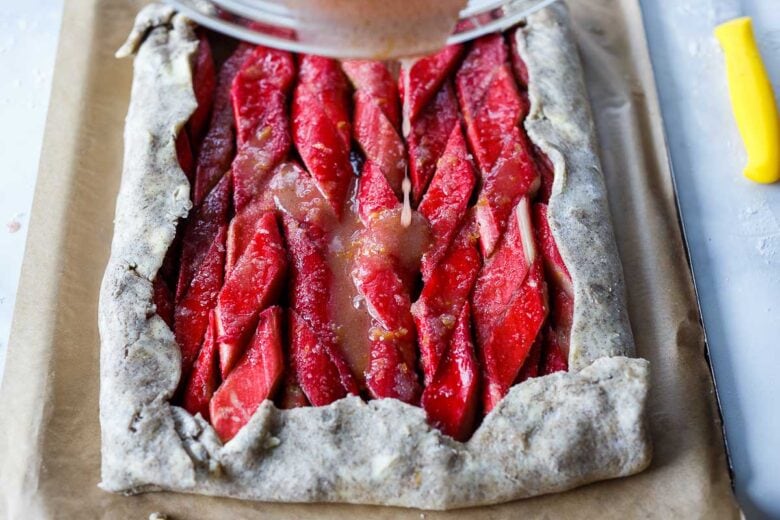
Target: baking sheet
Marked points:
49	432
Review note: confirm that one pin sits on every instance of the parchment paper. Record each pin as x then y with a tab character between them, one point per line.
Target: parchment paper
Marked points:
49	432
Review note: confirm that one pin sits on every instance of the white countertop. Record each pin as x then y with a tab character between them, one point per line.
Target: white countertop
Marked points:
733	226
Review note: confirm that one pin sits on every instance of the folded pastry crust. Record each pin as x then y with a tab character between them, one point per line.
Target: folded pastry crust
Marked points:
548	434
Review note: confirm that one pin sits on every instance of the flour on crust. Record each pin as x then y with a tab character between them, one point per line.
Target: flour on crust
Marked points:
548	434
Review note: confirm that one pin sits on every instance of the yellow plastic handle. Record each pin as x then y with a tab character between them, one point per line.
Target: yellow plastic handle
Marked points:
752	100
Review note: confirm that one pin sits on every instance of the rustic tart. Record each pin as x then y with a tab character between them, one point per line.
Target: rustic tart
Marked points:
364	281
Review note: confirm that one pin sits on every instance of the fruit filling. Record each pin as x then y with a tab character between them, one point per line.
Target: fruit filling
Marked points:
299	277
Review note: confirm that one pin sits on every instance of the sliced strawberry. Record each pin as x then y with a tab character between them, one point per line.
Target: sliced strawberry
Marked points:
311	360
205	376
259	95
373	81
200	229
191	315
321	130
253	380
450	400
218	145
425	77
254	282
163	300
443	296
312	327
428	138
374	193
204	81
184	154
445	202
506	330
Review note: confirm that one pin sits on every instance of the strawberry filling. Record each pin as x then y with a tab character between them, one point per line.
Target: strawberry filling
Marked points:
310	269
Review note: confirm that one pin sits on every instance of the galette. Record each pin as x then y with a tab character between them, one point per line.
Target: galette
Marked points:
364	281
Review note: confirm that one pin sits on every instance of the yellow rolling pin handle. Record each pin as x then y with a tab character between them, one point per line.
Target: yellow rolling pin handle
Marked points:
752	100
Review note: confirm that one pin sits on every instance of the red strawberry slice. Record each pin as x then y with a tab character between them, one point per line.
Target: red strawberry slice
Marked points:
444	205
250	286
420	81
259	95
506	331
203	83
311	360
184	154
218	146
204	378
372	80
312	328
443	296
200	229
163	300
253	380
320	122
192	310
450	400
428	138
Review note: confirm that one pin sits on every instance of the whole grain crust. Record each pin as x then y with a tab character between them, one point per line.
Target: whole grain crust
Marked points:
548	434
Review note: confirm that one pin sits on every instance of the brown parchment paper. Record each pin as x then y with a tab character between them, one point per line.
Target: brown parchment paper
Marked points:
49	431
